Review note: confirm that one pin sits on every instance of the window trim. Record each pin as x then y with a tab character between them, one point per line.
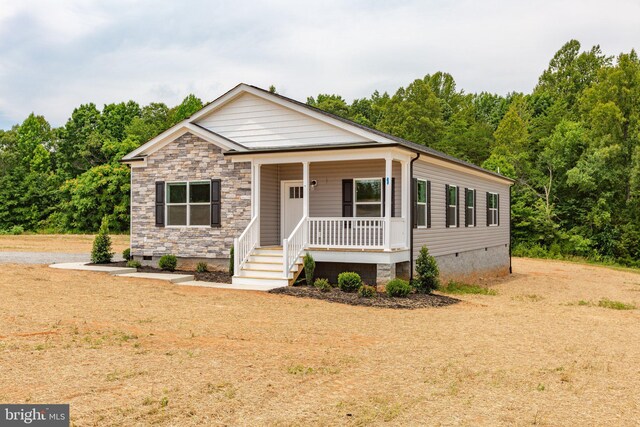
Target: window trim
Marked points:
497	209
466	208
355	199
187	203
455	216
425	204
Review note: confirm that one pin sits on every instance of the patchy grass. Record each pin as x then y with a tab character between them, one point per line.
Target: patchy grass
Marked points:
528	298
459	288
126	351
615	305
606	303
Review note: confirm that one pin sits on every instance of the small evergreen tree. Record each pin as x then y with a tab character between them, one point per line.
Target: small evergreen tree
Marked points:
427	269
231	261
309	268
101	252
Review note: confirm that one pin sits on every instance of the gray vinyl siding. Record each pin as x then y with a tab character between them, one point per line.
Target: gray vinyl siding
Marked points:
269	205
442	240
270	192
326	198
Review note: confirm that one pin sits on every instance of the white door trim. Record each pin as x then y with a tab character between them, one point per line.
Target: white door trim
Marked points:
283	198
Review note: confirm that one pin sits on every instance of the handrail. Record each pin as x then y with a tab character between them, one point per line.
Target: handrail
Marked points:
293	246
347	232
243	245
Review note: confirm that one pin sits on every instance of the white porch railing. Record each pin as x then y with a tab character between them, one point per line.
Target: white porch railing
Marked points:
293	246
359	233
398	233
243	245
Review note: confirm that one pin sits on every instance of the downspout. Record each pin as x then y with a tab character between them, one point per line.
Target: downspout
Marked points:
411	196
510	238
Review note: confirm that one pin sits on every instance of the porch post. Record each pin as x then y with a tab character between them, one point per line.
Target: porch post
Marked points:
406	190
387	203
253	190
305	189
306	196
256	200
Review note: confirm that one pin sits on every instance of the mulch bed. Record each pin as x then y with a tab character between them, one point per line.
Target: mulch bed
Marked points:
412	301
209	276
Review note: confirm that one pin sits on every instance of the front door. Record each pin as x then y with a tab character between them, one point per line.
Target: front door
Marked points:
291	207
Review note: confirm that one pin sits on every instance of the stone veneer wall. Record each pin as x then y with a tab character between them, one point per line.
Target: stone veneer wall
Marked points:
189	158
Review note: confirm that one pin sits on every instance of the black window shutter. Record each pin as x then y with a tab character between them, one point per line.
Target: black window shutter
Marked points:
216	203
498	206
159	203
347	197
446	205
488	196
414	202
475	209
466	208
457	206
428	204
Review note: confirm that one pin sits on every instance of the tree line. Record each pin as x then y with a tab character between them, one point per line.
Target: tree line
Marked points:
572	145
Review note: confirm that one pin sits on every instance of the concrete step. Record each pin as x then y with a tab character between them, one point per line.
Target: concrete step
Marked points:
265	258
246	272
263	251
253	281
270	266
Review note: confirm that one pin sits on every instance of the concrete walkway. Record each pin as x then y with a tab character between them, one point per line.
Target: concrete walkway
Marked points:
178	279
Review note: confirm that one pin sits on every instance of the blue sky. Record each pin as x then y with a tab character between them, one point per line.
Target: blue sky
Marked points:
56	55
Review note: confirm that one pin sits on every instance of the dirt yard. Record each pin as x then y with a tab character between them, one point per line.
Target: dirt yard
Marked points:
134	352
66	243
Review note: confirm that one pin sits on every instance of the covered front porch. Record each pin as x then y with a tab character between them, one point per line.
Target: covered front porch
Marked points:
341	206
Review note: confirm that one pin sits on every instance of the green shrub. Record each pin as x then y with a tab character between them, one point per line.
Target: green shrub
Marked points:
168	262
231	261
126	254
132	263
202	267
322	284
101	252
349	281
309	268
427	272
366	291
398	288
16	230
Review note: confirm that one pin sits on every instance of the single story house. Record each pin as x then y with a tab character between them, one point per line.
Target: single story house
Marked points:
275	178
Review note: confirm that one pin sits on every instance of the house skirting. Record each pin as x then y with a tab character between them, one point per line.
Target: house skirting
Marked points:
469	266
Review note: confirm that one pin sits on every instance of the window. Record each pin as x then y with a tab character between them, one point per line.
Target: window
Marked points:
421	201
493	205
295	192
189	203
470	207
368	197
452	206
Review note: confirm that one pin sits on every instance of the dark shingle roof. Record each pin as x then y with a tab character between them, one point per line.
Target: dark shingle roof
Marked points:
419	148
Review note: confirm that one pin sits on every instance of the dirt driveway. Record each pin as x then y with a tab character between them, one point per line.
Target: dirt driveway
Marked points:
129	352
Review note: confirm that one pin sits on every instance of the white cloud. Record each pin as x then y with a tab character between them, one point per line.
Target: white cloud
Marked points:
57	55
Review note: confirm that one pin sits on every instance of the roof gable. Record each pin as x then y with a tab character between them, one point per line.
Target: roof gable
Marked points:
257	122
